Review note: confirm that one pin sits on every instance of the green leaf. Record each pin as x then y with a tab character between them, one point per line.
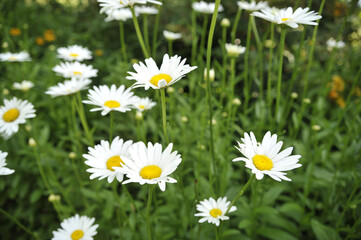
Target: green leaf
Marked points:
275	234
323	232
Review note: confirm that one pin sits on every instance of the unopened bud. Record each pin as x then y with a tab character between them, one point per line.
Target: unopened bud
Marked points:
72	155
236	101
28	127
170	90
184	119
139	115
307	100
294	95
6	91
211	74
54	198
225	22
32	142
316	127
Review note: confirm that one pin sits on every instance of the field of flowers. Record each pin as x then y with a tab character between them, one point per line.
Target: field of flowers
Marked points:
168	119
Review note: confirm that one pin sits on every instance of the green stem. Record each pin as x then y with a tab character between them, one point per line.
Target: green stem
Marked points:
269	76
246	56
123	46
155	31
148	211
83	119
19	224
235	24
139	34
280	67
203	37
164	115
255	31
170	47
216	232
194	36
145	30
111	126
244	188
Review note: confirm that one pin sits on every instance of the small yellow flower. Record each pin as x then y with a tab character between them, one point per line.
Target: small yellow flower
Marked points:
15	32
39	41
341	102
98	52
49	35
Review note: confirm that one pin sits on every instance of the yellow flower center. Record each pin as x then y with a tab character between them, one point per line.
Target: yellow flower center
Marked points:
150	172
77	234
77	73
114	162
285	19
112	104
141	106
11	115
215	212
73	55
161	76
262	162
12	58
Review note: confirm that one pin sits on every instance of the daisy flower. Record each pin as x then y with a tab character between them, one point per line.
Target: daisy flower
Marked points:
104	156
150	165
15	57
206	8
171	36
112	5
149	75
13	113
252	6
265	158
74	53
213	211
4	170
23	86
75	70
111	99
332	43
76	228
68	87
234	50
288	17
119	15
143	104
146	10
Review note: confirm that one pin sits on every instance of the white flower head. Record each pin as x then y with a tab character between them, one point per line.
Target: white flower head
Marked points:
146	10
4	170
104	156
23	86
150	165
332	43
122	14
68	87
76	228
13	113
148	75
288	17
213	211
206	8
234	50
171	36
75	70
143	104
112	5
15	57
74	53
266	158
252	6
111	99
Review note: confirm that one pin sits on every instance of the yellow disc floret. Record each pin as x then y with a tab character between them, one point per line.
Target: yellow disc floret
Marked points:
262	162
112	104
141	106
114	162
73	55
150	172
11	115
285	19
215	212
161	76
77	234
77	73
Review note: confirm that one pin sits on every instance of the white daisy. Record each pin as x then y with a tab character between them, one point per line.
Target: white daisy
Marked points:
213	211
103	157
207	8
23	86
13	113
75	70
4	170
112	5
76	228
149	75
146	10
332	43
252	6
150	165
143	104
234	50
68	87
265	158
171	36
15	57
74	53
111	99
119	15
6	136
288	17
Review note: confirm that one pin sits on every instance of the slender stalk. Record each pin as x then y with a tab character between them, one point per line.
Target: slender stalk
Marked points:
155	31
255	31
83	119
246	56
164	115
170	47
232	81
111	126
148	211
194	36
203	37
269	76
235	24
8	215
123	46
280	67
216	232
145	31
139	34
244	188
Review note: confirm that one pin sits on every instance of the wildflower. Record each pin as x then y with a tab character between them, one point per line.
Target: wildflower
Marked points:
49	35
119	15
206	8
171	36
341	102
72	155
288	17
15	57
149	75
332	43
225	23
68	87
76	228
316	127
111	99
213	211
75	70
143	104
32	142
234	50
307	100
13	113
252	6
184	119
333	94
4	170
39	41
139	115
15	32
265	158
74	52
23	86
150	164
211	74
294	95
145	10
105	156
112	5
